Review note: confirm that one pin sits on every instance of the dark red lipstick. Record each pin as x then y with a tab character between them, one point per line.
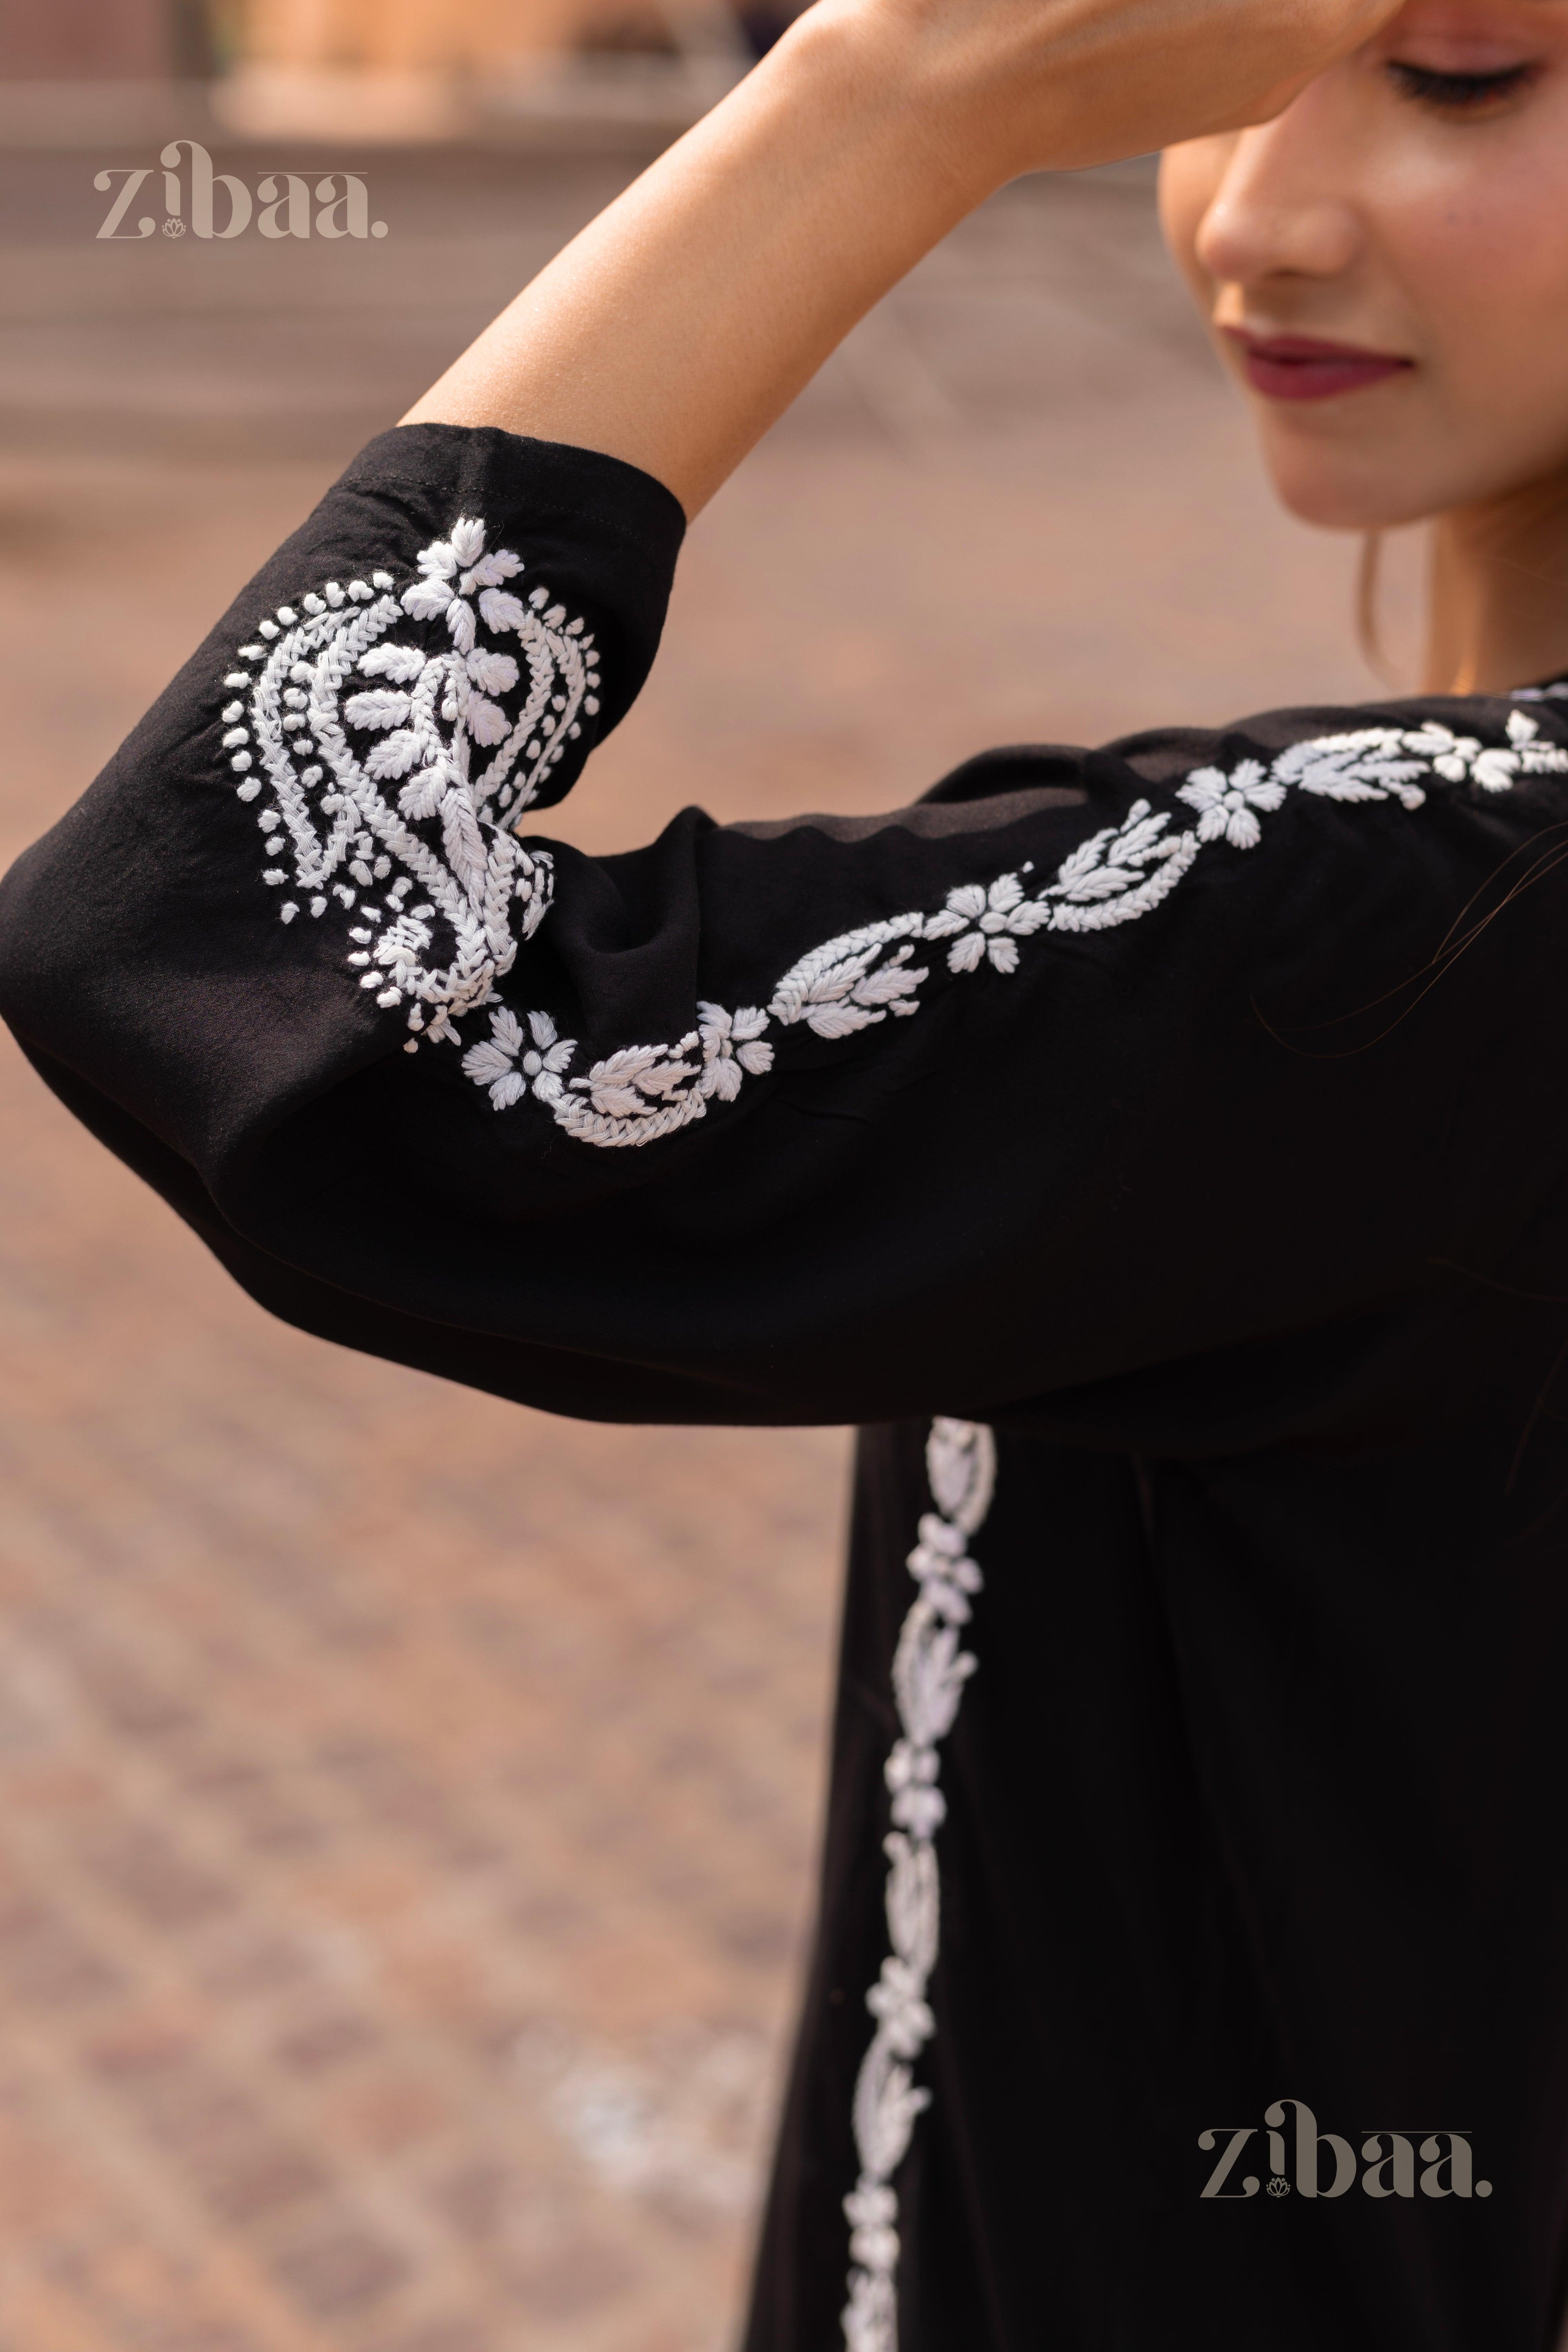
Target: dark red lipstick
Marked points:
1302	367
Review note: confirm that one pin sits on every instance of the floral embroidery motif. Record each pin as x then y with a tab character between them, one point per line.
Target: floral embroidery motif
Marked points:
506	1062
366	753
930	1671
640	1093
1227	805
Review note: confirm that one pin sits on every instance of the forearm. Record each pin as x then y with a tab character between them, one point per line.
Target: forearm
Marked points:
682	321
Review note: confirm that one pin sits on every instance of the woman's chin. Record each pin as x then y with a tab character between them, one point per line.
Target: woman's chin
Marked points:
1340	497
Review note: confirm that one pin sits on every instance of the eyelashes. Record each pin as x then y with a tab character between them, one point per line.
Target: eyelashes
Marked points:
1459	93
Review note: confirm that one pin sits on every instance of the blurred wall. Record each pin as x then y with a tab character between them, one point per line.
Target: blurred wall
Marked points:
405	36
101	39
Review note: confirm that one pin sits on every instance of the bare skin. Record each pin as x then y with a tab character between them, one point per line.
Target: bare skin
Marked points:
686	317
1408	203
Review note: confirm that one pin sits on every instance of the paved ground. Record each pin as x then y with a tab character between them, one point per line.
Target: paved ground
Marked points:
407	1802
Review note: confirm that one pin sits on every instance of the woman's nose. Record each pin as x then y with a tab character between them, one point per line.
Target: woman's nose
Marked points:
1272	214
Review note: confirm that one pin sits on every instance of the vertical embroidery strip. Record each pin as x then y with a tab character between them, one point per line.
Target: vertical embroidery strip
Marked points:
929	1671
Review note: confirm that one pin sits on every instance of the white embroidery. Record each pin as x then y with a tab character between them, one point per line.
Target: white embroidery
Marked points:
640	1093
930	1671
376	781
505	1063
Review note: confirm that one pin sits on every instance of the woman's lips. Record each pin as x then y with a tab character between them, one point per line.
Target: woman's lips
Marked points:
1300	367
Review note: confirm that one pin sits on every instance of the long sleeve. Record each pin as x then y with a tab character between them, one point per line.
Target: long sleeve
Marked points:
1091	1063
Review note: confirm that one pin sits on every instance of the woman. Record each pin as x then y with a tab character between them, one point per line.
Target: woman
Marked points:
1161	1146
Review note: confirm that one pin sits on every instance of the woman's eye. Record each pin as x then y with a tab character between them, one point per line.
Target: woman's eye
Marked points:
1459	93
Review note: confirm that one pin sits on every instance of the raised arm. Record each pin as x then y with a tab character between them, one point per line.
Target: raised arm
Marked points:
783	1122
684	319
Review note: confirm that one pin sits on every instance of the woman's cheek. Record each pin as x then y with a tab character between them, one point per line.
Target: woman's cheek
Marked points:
1482	264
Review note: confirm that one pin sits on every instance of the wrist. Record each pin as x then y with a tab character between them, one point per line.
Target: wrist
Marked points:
893	81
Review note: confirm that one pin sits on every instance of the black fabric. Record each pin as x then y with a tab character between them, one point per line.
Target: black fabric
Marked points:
1226	1185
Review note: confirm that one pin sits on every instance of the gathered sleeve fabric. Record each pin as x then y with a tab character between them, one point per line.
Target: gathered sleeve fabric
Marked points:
1088	1064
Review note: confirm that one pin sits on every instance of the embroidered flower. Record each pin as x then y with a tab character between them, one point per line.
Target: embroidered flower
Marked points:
730	1046
1227	804
946	1573
507	1064
453	569
897	1998
919	1805
871	2213
1001	915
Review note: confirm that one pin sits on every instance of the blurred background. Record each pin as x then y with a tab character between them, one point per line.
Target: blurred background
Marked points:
409	1805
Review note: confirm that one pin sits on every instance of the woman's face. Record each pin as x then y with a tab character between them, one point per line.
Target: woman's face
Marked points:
1385	265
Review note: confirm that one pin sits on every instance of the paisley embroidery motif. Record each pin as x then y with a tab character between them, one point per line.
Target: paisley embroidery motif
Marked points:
367	753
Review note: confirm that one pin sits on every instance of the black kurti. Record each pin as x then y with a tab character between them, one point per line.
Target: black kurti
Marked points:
1162	1149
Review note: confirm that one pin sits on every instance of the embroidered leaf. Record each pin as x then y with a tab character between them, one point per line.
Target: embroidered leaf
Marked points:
468	542
426	599
460	621
422	794
966	953
491	569
495	673
890	981
507	1090
487	722
392	756
404	663
502	611
485	1063
1085	858
1204	788
618	1085
615	1101
376	709
1140	836
839	1020
968	900
542	1029
506	1031
756	1058
463	843
831	980
722	1077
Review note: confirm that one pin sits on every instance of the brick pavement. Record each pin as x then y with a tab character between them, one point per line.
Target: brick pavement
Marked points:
407	1802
